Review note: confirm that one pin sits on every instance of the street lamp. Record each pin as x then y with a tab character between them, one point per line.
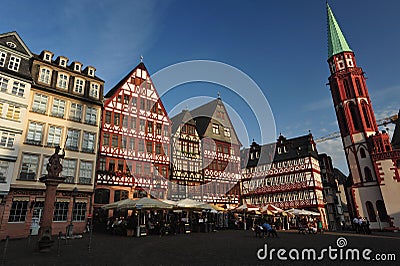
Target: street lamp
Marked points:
70	227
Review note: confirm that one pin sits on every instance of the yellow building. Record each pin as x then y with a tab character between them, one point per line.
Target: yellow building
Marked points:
64	109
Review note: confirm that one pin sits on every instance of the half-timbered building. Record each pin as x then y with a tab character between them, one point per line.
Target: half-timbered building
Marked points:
186	160
285	174
134	144
220	151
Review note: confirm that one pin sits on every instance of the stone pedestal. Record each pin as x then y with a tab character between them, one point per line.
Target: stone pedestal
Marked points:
45	234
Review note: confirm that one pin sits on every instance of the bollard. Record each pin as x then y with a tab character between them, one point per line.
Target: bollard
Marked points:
3	260
58	244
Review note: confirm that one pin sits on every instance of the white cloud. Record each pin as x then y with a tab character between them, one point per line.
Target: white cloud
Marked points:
334	149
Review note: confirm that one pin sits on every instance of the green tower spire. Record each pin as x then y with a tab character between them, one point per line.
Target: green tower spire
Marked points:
336	41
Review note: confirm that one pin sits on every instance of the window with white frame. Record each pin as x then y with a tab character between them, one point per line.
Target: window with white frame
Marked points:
7	139
13	112
227	132
3	56
29	166
73	139
3	84
35	132
18	211
4	171
94	90
88	142
91	115
68	171
215	129
79	85
45	75
60	211
40	103
18	89
14	62
85	172
54	136
79	212
58	108
62	81
75	112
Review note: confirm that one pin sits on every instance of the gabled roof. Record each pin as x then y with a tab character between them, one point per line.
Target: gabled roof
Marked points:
336	41
282	150
396	135
111	92
183	117
16	39
205	115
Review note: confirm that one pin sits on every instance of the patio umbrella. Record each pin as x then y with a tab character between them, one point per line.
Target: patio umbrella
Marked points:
271	208
246	207
190	204
117	204
146	203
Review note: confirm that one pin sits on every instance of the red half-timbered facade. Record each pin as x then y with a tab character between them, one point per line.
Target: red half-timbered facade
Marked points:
220	151
135	138
285	174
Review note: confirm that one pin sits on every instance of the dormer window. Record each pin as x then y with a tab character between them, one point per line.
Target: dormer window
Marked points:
76	66
62	62
90	71
47	57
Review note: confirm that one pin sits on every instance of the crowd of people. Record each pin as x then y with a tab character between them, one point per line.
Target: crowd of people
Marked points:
361	225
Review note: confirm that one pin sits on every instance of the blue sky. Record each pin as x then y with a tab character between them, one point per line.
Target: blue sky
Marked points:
281	45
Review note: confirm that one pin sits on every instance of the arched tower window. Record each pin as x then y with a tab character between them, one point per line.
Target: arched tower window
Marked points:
368	174
370	211
347	88
380	206
362	153
355	116
359	88
342	120
366	114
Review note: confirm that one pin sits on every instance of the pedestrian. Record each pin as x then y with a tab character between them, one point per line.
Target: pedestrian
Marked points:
268	229
356	224
319	224
361	225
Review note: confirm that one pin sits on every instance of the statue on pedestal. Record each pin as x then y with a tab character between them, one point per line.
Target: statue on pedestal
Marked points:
54	166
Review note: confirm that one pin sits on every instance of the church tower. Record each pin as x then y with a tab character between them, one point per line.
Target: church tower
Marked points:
359	131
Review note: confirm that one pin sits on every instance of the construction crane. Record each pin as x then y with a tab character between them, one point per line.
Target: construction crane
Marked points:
381	122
